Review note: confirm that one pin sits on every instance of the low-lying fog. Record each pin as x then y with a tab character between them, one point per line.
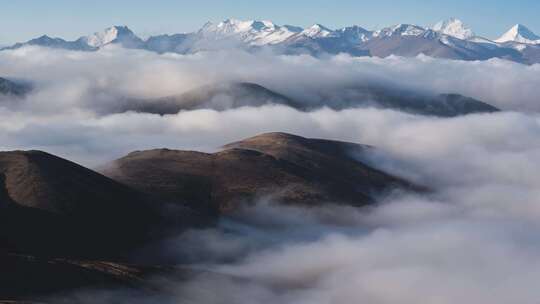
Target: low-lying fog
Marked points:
475	240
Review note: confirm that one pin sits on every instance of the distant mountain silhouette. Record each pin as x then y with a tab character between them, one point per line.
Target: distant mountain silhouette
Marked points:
225	96
400	99
219	97
12	88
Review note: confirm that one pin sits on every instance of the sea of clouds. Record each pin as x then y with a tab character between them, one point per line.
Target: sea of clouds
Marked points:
475	239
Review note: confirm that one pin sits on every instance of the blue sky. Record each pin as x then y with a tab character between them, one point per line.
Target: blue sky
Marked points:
25	19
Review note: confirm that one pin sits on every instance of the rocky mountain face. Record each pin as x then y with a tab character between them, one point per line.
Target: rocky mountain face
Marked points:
450	39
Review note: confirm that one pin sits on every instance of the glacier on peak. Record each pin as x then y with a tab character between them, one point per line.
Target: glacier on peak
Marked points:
109	35
317	31
521	34
252	31
400	30
455	28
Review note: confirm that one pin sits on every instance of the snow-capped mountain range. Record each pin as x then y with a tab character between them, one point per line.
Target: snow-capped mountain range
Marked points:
450	39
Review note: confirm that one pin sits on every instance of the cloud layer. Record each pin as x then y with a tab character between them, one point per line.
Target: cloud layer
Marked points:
67	113
475	240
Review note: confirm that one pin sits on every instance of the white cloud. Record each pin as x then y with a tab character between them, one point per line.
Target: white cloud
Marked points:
475	240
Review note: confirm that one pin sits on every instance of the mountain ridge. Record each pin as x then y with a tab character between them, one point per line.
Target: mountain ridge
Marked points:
450	39
288	168
230	95
90	232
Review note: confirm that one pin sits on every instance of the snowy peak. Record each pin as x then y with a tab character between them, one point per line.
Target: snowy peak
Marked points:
235	26
455	28
400	30
317	31
253	32
519	33
112	34
355	34
447	39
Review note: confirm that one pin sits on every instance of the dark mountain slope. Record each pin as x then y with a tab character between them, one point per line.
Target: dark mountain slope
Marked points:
218	97
388	97
51	205
26	278
288	168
